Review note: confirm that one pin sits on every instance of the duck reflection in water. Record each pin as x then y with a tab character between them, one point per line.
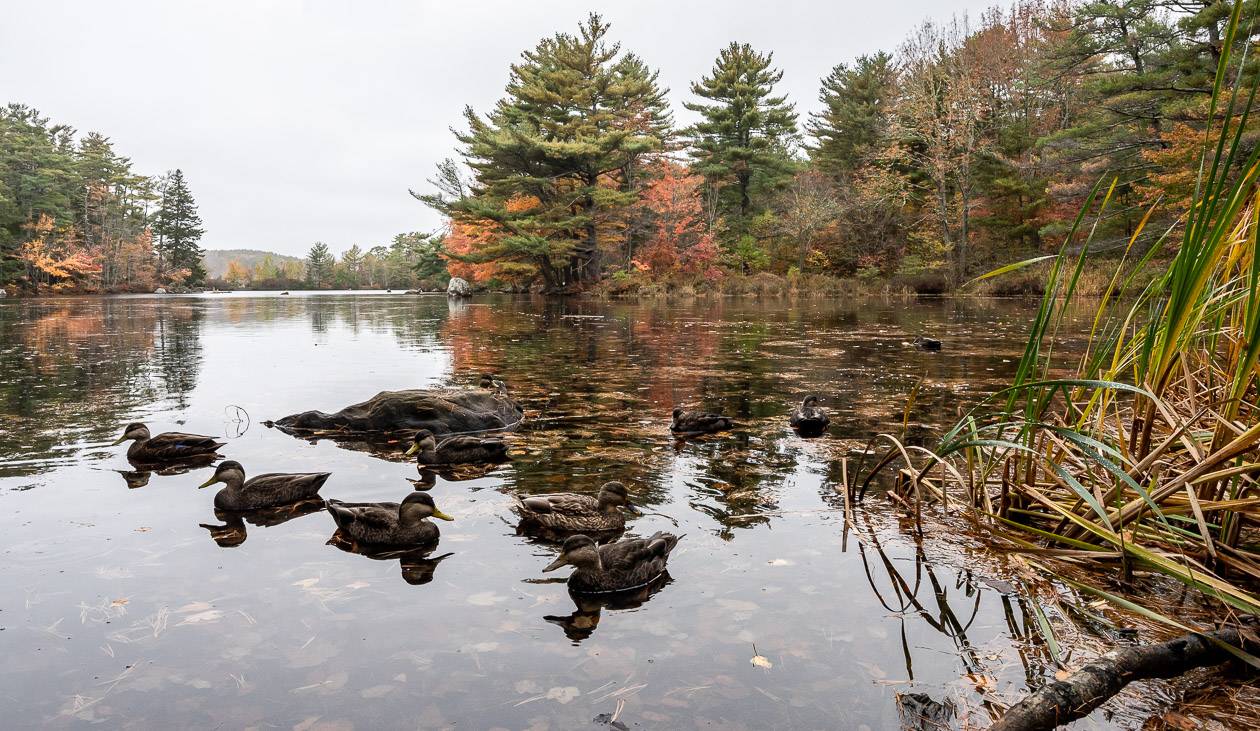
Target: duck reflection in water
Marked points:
232	532
417	564
581	623
143	473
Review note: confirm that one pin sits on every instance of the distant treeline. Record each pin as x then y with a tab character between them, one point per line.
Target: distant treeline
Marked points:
74	216
409	261
972	143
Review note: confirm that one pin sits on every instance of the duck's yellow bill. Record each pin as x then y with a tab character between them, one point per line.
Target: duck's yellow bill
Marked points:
118	441
440	515
208	482
413	449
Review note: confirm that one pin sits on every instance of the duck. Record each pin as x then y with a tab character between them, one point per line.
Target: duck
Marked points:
696	422
457	449
926	343
389	524
168	446
809	417
627	564
571	513
490	383
262	491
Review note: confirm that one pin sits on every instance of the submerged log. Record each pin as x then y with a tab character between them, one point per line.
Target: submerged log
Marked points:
447	411
1063	701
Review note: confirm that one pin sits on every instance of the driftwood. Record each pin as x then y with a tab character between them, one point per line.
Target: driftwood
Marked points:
1063	701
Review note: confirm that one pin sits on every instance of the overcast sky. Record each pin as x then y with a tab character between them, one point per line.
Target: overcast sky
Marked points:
298	122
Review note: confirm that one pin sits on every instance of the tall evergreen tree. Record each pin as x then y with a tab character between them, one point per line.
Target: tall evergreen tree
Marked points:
319	265
549	161
743	138
178	228
857	102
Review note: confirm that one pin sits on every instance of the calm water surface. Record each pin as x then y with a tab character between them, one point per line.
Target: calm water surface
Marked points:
127	601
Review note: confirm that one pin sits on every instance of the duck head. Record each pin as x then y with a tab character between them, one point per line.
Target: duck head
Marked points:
230	473
677	413
423	441
579	551
487	381
136	431
417	506
810	401
614	494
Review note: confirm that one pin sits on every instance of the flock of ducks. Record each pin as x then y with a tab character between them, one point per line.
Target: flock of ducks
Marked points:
583	524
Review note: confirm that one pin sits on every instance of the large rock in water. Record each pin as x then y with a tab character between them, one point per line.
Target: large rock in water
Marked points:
440	411
458	288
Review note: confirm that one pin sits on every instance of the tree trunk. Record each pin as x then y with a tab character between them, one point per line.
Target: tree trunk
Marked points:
1063	701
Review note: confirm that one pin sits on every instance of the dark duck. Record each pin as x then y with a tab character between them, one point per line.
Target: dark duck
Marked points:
389	524
262	491
456	450
166	447
630	563
697	422
809	417
572	513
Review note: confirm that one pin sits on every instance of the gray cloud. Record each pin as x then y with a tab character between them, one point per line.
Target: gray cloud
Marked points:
305	121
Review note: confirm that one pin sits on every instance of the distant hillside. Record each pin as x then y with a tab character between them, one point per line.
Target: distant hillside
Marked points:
216	260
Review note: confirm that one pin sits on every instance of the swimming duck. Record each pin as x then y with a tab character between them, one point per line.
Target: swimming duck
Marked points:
262	491
925	343
168	446
626	564
696	422
389	524
457	449
490	383
572	513
809	417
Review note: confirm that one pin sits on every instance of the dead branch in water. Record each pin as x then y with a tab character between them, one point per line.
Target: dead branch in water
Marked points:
1073	697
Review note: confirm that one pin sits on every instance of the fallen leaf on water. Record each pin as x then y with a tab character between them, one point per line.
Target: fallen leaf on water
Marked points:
780	562
983	683
563	695
118	602
485	599
212	615
760	660
143	529
1062	674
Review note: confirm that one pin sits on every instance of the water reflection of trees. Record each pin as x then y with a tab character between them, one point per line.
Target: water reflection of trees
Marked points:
74	368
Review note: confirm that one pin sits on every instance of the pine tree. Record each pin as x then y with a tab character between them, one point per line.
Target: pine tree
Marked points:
856	105
743	140
319	265
549	162
178	228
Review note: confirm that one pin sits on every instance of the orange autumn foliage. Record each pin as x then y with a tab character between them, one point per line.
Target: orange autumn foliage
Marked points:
468	237
678	239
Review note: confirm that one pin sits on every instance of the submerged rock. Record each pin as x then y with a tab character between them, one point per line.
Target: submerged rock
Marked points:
458	287
440	411
160	290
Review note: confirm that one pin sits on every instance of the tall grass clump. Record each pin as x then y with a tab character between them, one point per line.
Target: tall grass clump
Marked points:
1142	453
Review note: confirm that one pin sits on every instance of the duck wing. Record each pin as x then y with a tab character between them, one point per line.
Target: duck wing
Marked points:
563	503
285	488
172	445
364	517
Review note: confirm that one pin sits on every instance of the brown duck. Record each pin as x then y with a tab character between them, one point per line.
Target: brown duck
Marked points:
697	422
262	491
389	524
166	447
457	449
571	513
627	564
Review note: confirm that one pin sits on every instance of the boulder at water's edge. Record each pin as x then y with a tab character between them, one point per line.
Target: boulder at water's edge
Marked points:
458	287
440	411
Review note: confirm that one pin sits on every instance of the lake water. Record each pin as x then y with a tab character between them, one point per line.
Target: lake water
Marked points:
120	606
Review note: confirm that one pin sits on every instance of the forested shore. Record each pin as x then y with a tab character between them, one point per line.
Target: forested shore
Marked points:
973	143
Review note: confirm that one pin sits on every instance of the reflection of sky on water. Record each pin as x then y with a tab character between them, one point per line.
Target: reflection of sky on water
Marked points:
117	608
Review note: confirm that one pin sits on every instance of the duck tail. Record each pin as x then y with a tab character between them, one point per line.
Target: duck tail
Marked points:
664	542
341	515
318	482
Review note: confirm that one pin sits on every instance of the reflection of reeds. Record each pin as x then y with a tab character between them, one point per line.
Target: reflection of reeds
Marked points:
1145	456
